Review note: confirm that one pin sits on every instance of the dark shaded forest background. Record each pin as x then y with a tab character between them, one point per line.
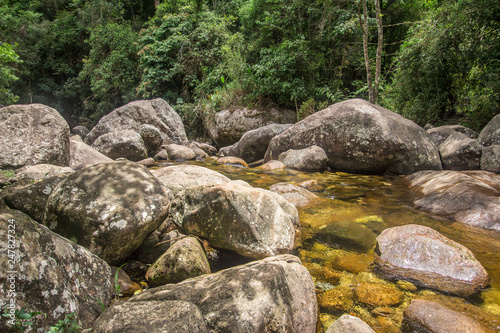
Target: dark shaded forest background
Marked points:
440	59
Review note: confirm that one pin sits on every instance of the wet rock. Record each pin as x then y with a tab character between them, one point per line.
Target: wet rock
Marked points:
470	197
183	260
271	295
377	295
53	275
234	161
406	286
458	152
180	177
82	155
32	134
152	316
227	127
361	137
81	131
308	159
155	112
441	133
490	135
253	144
426	258
273	165
427	316
490	160
180	153
347	235
235	217
337	299
109	208
349	324
151	137
296	195
127	144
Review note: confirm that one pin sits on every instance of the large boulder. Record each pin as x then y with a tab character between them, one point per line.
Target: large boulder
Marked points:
427	316
426	258
81	155
490	135
358	136
459	152
227	127
490	160
109	208
156	112
235	217
180	177
151	137
253	144
308	159
127	144
45	272
32	134
441	133
276	294
469	197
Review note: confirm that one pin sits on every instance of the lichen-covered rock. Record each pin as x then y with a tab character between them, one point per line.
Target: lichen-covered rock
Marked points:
470	197
151	137
459	152
156	112
490	160
235	217
81	131
109	208
180	153
127	144
227	127
52	275
183	260
441	133
308	159
275	294
349	324
152	316
426	258
32	134
296	195
253	144
428	316
490	135
180	177
82	155
358	136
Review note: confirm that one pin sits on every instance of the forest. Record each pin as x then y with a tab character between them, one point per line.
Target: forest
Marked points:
432	61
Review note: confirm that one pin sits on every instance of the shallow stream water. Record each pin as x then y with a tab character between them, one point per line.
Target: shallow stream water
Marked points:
359	207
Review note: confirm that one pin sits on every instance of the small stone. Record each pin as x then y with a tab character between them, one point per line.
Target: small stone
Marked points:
406	286
378	295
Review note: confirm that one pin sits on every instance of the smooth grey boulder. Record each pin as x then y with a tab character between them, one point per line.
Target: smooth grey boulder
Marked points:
427	316
179	153
81	131
469	197
296	195
82	155
235	217
151	137
441	133
459	152
253	144
171	316
426	258
490	160
156	112
358	136
32	134
276	294
41	171
228	126
109	208
349	324
180	177
52	274
308	159
183	260
127	144
490	135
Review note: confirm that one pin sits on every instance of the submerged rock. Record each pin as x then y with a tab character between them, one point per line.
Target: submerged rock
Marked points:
349	324
234	161
52	275
296	195
348	235
426	258
361	137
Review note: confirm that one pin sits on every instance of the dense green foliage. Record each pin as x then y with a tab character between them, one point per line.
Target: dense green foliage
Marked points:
440	59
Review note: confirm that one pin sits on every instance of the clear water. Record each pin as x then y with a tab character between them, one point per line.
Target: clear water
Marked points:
341	270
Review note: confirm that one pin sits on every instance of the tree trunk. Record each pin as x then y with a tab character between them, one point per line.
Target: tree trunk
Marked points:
157	2
364	26
380	43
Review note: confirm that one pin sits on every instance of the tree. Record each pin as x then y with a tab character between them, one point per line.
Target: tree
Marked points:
8	59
